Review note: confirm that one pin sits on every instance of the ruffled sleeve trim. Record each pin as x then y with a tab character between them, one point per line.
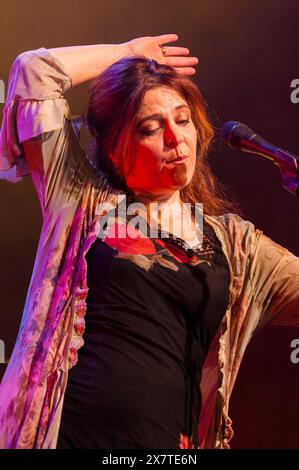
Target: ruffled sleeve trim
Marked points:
34	105
22	121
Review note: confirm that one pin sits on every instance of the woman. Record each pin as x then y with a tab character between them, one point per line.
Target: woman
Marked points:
117	331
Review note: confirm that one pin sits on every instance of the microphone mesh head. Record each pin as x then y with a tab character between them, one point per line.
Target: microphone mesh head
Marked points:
233	133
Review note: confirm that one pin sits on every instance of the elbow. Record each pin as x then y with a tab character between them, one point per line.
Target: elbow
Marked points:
27	77
22	62
36	75
18	79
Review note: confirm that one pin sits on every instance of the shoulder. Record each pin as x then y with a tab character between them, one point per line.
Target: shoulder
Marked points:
242	240
234	228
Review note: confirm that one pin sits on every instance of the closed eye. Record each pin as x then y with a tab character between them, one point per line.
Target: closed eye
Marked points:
183	122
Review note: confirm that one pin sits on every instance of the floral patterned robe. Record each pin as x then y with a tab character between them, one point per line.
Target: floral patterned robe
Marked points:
40	137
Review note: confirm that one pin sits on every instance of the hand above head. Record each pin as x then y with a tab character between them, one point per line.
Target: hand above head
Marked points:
174	56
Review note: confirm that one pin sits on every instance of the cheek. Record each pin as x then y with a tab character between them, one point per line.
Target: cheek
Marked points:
144	165
147	157
194	146
193	138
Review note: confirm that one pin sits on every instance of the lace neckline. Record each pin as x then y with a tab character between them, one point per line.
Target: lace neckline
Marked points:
169	237
178	240
200	247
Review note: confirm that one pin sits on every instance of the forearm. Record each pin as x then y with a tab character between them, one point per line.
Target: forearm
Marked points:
84	63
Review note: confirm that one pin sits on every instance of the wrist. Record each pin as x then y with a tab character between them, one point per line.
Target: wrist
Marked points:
126	49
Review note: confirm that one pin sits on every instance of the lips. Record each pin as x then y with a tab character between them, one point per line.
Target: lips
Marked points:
176	159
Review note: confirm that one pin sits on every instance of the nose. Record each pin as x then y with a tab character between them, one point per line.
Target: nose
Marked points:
172	136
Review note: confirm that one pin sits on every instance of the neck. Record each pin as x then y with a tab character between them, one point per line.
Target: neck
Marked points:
164	210
147	198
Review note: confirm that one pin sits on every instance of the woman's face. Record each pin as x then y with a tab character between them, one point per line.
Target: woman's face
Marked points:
164	132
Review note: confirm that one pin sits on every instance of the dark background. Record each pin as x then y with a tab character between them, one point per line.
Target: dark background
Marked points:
249	54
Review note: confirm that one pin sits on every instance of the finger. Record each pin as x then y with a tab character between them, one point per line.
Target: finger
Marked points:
165	38
185	70
171	50
181	61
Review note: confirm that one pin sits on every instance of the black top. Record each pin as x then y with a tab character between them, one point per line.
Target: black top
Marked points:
153	307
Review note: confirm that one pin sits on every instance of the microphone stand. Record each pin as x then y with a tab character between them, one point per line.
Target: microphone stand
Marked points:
287	163
289	170
239	136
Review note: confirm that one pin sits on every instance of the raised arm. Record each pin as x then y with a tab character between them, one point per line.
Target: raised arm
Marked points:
86	62
38	135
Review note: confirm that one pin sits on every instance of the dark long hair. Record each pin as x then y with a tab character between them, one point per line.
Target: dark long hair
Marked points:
115	97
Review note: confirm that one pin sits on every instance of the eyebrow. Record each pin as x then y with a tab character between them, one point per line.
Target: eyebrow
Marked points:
157	116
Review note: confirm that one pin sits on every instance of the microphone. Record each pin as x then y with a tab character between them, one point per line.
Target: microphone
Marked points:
238	136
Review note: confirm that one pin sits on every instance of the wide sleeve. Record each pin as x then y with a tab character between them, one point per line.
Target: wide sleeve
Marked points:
274	279
265	287
39	136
